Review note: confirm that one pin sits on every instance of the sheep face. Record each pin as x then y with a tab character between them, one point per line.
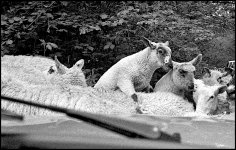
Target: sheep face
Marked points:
160	53
214	77
72	76
183	73
206	98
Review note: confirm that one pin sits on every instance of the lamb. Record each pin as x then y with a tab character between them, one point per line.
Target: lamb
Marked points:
40	70
206	97
180	79
214	76
133	73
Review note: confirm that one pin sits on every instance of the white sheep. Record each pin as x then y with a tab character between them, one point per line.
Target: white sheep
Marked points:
133	73
40	70
58	95
180	79
216	77
98	100
39	62
206	97
167	103
92	100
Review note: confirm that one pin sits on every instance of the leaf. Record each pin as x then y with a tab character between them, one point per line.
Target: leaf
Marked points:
52	45
48	46
9	42
78	47
96	27
83	30
106	46
103	16
11	20
18	35
62	30
114	24
42	42
42	11
49	15
90	48
3	22
65	3
112	46
48	29
121	21
30	19
17	18
64	14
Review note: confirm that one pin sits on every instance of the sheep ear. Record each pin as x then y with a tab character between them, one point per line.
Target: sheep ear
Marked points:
59	66
167	43
207	71
174	64
196	60
221	89
229	71
79	64
148	43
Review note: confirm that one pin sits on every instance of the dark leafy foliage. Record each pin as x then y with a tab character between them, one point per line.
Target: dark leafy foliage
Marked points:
103	32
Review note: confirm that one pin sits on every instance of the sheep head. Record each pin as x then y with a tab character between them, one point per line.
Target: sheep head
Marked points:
73	75
183	73
206	98
214	76
160	53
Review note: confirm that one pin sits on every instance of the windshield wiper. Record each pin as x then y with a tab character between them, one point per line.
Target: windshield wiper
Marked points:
7	115
119	125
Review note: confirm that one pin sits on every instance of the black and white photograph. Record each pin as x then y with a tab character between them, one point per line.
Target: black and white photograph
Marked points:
118	74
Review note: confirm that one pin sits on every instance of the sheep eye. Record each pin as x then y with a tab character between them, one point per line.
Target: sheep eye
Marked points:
160	51
211	97
219	79
182	71
51	70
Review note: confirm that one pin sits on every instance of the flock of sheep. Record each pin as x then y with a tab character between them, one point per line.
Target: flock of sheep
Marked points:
124	89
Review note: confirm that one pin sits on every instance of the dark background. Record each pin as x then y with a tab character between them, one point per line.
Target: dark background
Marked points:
103	32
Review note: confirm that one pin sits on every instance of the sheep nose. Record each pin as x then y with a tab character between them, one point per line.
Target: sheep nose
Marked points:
170	65
191	87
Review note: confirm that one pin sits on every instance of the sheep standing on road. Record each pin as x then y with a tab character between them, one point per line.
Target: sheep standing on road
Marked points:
133	73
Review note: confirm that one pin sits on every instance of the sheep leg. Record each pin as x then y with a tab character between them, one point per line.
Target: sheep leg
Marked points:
127	87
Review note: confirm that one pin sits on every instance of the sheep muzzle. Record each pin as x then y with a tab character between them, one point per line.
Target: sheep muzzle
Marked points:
167	59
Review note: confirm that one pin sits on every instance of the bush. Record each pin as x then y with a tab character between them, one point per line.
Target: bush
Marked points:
103	32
